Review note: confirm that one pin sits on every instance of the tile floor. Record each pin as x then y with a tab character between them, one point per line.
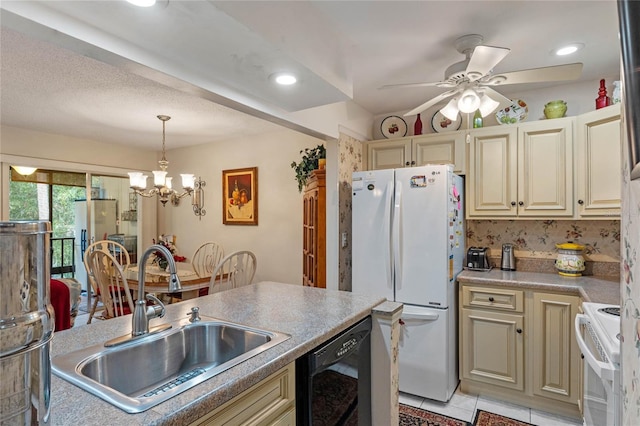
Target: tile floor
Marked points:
463	407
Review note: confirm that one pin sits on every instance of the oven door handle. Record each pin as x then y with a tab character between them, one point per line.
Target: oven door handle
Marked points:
602	369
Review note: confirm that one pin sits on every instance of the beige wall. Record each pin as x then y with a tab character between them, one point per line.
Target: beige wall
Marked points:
277	240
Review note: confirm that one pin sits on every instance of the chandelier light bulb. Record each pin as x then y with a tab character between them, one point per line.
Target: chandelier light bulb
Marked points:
487	105
451	110
469	101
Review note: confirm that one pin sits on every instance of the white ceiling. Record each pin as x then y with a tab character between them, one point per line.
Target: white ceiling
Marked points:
103	70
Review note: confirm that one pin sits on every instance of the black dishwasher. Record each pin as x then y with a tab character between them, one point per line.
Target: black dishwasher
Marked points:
333	381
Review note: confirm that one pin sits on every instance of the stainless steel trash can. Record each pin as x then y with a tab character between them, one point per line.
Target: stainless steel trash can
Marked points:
26	323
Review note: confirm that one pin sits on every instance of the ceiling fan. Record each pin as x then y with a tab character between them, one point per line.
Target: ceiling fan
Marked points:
470	81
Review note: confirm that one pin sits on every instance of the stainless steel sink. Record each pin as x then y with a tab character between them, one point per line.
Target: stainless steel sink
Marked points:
138	375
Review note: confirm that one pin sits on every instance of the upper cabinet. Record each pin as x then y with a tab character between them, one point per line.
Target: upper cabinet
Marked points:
598	163
521	171
437	148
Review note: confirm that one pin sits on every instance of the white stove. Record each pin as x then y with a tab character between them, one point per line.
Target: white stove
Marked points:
605	319
597	335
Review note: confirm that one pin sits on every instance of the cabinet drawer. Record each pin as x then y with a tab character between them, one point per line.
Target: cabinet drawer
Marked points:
480	297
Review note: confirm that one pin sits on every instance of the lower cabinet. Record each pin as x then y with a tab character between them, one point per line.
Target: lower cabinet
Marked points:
519	345
270	402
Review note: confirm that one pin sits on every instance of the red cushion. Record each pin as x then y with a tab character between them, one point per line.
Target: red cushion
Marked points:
60	300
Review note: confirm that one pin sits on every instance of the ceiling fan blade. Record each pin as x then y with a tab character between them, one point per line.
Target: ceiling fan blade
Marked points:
431	102
408	85
503	100
536	75
483	59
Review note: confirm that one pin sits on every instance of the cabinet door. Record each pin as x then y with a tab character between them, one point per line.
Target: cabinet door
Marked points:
598	163
545	168
441	148
492	177
391	154
556	357
492	348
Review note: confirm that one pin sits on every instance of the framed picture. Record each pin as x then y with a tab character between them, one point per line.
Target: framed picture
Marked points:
240	196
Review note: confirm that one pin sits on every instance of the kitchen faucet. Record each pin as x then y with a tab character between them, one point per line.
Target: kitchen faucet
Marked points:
143	313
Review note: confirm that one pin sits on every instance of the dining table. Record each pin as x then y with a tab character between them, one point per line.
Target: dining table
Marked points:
157	280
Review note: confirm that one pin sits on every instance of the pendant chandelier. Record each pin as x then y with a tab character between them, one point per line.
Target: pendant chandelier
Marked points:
162	186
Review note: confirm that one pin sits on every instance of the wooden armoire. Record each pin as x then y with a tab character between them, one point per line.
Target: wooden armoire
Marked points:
314	231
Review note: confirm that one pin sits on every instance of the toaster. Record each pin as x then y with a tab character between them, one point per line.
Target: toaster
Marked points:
477	258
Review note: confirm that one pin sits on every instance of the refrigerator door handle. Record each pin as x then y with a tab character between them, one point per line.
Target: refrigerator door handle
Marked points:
387	231
395	236
422	317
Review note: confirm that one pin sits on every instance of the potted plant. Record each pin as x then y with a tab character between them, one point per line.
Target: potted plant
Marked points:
307	164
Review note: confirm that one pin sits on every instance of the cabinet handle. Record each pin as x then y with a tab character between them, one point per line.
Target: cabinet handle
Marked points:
406	164
513	203
519	330
581	202
521	203
413	163
490	299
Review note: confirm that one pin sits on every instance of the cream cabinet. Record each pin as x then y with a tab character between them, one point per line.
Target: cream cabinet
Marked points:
270	402
519	345
598	163
436	148
521	171
556	356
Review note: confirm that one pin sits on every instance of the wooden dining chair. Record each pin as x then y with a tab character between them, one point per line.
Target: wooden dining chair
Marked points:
206	257
235	270
112	283
119	253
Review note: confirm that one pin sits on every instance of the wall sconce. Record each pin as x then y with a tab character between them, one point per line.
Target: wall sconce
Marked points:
198	198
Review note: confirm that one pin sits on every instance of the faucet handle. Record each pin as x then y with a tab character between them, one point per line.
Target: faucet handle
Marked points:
194	314
155	311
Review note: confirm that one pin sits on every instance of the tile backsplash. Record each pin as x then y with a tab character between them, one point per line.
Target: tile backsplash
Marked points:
535	242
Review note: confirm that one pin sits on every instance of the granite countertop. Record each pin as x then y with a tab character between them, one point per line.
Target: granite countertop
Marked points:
590	288
310	315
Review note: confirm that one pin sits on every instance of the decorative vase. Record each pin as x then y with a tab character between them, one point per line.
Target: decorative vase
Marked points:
322	163
555	109
602	100
417	127
570	262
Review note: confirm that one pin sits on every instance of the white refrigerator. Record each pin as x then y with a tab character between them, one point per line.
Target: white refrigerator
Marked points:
408	245
103	223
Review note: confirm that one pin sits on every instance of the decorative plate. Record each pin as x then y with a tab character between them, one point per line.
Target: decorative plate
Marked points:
440	123
516	113
393	127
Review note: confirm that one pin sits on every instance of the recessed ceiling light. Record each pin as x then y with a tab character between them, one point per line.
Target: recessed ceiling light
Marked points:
569	49
142	3
285	79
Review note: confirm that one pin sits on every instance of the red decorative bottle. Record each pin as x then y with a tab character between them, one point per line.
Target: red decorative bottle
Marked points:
417	127
602	100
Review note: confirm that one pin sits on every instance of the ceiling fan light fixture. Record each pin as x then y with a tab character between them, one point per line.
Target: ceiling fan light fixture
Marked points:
451	110
469	101
487	105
